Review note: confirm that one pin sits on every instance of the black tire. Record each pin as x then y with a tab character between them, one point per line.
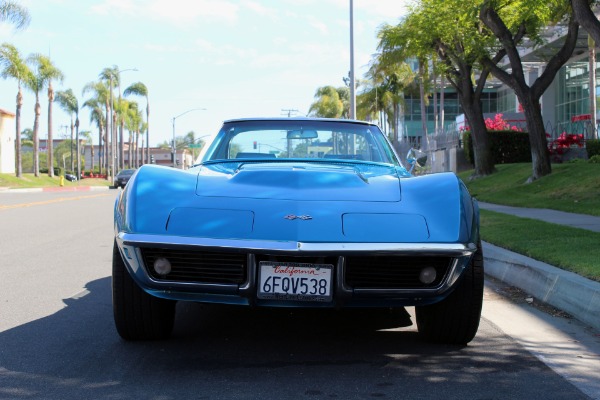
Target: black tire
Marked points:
455	319
138	315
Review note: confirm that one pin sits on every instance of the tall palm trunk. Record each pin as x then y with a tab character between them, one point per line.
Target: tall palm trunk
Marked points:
137	153
130	151
121	142
19	157
108	138
50	144
36	138
147	132
72	142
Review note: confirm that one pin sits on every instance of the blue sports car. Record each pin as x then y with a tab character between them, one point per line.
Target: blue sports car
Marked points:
297	212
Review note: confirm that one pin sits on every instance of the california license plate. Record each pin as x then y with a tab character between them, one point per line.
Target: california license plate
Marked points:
294	281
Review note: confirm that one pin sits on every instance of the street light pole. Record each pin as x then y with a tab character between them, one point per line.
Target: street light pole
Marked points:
352	113
173	149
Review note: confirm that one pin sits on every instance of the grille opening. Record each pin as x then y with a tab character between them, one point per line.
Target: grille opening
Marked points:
393	272
198	266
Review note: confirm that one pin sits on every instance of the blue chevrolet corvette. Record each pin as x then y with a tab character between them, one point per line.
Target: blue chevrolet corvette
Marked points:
297	212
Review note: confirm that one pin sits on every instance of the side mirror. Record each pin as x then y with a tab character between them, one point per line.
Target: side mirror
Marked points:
416	158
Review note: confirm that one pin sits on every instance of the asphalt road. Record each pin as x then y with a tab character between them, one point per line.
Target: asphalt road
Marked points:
57	338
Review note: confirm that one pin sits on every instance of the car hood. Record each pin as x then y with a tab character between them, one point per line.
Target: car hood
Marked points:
300	181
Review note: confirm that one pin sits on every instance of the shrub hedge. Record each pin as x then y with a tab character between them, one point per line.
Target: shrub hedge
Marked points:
507	147
593	147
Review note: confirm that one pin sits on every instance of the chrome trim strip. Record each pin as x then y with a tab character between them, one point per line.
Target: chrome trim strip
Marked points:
450	249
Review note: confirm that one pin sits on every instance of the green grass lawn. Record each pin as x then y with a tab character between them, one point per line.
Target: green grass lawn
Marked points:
572	187
572	249
30	181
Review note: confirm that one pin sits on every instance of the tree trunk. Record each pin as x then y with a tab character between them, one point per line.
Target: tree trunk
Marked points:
72	143
137	153
147	131
19	157
540	157
77	147
36	138
592	69
482	154
586	18
50	144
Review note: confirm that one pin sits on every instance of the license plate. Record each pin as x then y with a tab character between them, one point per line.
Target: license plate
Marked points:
294	281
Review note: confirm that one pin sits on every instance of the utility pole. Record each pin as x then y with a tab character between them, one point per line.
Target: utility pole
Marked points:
352	113
289	112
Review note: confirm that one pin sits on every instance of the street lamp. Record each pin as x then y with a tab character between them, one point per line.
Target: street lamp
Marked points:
351	73
113	132
173	150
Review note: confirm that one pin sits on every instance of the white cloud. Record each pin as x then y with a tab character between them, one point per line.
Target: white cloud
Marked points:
261	9
178	12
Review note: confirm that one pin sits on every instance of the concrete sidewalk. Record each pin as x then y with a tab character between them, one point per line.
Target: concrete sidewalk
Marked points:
562	289
580	221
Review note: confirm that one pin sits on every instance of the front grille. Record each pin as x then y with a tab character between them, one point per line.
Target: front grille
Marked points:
393	272
198	266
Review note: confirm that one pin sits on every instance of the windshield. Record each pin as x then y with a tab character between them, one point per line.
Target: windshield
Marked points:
300	139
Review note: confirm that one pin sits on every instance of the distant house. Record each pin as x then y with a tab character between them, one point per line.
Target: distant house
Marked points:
7	142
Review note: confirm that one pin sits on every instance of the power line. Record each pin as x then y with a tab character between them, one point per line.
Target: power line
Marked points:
290	112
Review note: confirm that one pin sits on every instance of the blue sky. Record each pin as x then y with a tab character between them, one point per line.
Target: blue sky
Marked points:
236	58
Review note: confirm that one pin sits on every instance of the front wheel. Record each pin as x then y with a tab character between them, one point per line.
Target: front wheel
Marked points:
455	319
138	315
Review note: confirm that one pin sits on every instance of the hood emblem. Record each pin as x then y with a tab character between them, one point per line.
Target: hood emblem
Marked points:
302	217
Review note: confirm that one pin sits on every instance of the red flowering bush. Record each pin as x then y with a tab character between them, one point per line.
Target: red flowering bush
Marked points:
496	124
565	141
499	124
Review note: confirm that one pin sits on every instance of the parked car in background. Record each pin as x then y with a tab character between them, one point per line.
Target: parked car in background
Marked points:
123	177
70	177
297	212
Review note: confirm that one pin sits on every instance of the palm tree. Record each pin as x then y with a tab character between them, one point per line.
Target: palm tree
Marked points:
139	89
68	102
13	66
14	13
97	117
393	78
101	97
52	73
45	71
110	77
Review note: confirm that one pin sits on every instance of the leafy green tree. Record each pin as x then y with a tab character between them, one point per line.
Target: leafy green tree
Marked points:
328	103
449	32
508	22
14	13
13	66
43	72
392	79
139	89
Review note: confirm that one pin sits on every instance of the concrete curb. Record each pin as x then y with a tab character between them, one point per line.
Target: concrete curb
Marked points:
562	289
57	189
